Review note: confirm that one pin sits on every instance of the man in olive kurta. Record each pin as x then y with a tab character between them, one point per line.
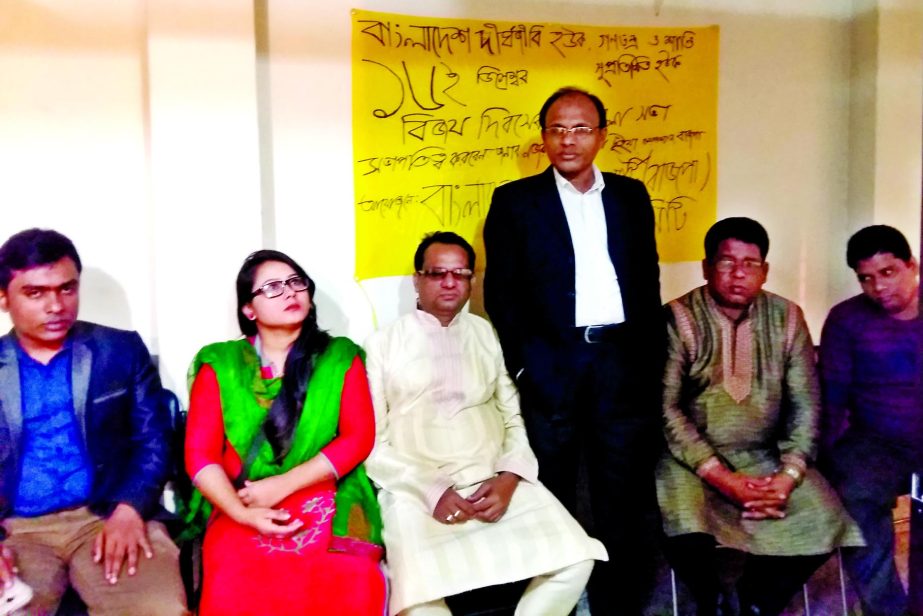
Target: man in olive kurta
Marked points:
741	410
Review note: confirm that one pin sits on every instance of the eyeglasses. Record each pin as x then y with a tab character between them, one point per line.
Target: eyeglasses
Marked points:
275	288
749	266
461	273
577	131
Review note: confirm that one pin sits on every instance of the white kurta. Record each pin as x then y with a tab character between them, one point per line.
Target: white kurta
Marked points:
447	415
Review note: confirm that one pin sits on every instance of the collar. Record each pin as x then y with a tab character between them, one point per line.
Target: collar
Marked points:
429	321
564	184
23	354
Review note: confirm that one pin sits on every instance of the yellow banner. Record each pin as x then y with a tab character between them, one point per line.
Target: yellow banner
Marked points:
444	110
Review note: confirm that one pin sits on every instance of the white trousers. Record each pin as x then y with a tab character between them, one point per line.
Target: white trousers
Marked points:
552	594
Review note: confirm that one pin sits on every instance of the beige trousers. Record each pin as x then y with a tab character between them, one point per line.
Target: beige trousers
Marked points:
552	594
55	550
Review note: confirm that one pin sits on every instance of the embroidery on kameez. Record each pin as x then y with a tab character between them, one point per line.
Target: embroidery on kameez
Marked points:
315	513
686	332
737	358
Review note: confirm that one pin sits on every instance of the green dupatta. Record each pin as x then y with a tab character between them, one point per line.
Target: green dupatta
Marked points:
245	400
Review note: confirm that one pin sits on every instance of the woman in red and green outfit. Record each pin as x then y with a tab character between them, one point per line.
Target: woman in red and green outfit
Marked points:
279	423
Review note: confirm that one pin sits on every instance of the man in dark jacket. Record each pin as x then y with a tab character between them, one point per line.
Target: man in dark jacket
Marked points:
572	286
84	445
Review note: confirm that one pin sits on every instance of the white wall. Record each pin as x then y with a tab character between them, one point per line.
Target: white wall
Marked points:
72	144
885	121
205	170
169	139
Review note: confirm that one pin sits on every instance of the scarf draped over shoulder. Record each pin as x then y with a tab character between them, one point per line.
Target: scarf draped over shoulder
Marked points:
245	400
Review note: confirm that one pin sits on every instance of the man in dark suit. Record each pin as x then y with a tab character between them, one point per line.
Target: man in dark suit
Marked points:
573	287
84	449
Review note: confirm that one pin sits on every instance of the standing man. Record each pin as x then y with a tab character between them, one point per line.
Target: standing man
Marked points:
572	286
83	445
873	404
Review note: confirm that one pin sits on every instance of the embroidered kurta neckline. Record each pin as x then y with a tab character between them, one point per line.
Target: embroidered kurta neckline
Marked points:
736	351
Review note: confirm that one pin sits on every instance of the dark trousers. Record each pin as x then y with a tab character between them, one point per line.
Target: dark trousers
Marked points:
599	410
869	476
724	581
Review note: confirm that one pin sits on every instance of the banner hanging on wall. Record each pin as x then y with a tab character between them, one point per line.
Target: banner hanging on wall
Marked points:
445	110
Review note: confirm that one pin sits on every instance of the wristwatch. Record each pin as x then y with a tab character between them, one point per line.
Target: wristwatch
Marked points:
793	472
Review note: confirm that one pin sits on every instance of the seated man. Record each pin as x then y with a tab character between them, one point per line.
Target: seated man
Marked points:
873	405
741	406
83	445
461	503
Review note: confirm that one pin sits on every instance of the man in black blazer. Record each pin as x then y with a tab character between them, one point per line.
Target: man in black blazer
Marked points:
573	287
84	445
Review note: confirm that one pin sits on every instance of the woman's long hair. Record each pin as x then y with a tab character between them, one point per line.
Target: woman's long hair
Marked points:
283	415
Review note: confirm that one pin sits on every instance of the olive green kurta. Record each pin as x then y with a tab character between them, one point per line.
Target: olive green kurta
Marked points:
746	392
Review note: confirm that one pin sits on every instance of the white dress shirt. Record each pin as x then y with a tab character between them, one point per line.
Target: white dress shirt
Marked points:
599	298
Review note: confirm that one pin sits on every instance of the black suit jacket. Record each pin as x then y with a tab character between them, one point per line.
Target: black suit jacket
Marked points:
120	410
529	282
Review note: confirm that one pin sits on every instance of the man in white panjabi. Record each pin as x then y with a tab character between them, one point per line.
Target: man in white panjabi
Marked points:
460	498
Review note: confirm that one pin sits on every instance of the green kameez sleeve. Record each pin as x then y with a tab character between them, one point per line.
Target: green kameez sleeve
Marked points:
687	444
798	442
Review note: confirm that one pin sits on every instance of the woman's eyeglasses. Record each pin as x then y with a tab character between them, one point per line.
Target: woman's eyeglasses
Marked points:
275	288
